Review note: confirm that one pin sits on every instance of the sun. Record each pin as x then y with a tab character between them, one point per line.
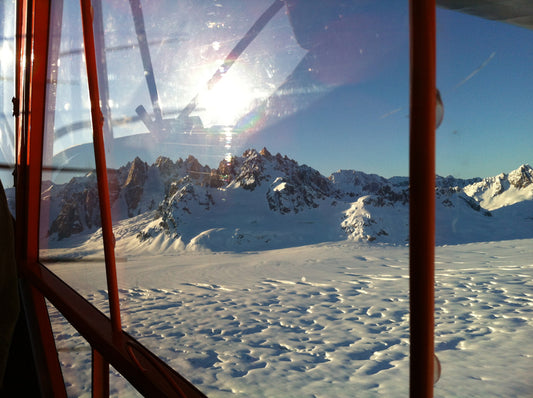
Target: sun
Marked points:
228	100
6	56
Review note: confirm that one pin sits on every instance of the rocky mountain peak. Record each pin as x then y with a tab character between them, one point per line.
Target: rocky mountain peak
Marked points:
356	183
193	166
521	177
264	152
78	206
187	199
134	186
165	165
451	181
249	170
137	172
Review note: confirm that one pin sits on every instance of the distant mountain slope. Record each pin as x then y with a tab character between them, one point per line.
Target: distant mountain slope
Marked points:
504	189
262	201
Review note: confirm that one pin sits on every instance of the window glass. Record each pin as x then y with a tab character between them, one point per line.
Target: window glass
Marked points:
257	156
75	358
251	148
74	354
7	92
484	228
69	194
249	248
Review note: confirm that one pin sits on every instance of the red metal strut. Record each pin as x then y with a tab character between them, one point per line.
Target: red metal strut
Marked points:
422	196
101	169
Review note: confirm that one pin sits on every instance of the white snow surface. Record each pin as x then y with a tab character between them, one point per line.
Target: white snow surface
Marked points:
311	301
322	320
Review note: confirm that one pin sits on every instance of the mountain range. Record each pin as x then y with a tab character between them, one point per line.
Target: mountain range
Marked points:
261	201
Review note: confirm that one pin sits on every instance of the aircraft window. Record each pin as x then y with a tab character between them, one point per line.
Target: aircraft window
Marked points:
75	356
257	161
73	351
69	194
7	73
483	233
213	232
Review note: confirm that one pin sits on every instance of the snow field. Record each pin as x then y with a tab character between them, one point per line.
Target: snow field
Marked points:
317	321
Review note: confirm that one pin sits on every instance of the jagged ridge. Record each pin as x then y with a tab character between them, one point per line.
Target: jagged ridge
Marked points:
262	200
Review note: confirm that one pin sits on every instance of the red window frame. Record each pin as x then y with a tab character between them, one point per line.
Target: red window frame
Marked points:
109	343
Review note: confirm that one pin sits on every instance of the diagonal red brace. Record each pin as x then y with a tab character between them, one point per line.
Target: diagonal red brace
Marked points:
101	170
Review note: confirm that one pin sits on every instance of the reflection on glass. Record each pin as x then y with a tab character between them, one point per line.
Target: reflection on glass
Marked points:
483	147
7	90
250	249
69	195
210	113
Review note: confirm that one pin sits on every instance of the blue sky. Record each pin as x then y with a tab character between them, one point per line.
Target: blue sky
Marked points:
354	114
488	122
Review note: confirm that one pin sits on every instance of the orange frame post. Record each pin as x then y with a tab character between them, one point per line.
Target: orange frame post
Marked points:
100	375
101	168
33	22
110	344
422	195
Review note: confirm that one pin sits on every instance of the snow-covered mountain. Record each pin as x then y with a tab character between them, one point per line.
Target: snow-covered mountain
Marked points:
262	201
504	189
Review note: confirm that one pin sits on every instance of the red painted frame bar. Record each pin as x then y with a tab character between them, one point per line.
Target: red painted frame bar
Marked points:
20	30
100	375
422	195
31	71
145	371
44	350
101	170
150	375
142	368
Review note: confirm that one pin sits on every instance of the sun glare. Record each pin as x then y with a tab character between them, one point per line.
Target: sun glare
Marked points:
6	56
227	101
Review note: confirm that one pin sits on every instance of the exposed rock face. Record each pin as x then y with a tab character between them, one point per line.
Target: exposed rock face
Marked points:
285	197
182	200
521	177
133	188
249	170
452	182
79	209
165	166
296	188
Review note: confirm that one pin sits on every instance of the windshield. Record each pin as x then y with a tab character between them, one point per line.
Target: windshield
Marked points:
257	157
216	79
